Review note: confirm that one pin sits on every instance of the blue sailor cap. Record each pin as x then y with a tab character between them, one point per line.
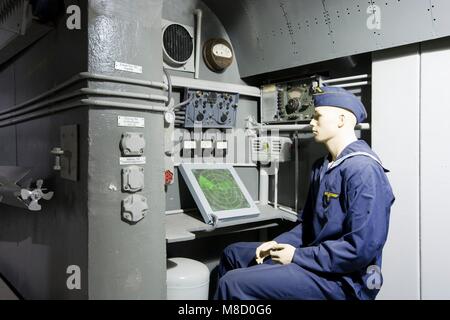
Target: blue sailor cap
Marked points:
341	98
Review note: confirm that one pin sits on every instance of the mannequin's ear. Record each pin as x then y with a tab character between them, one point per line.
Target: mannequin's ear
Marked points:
341	120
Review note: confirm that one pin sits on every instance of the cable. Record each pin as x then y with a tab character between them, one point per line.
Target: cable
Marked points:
181	104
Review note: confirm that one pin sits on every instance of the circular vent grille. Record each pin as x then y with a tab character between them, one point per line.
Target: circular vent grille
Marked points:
177	44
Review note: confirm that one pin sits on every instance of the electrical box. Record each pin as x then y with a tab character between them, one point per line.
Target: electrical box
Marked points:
209	109
267	149
134	208
133	179
132	144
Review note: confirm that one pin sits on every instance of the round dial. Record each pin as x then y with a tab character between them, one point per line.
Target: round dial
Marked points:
222	51
218	54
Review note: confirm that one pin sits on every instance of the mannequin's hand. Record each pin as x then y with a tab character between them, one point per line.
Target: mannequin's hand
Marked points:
282	253
264	250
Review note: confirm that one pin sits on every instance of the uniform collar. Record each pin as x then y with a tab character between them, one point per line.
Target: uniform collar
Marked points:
358	147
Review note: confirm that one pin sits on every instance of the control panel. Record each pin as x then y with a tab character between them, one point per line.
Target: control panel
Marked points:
209	109
288	102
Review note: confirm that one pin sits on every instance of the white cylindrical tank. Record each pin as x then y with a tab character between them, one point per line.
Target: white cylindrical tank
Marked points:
187	279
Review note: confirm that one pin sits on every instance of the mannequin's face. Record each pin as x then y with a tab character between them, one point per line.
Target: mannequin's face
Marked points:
325	123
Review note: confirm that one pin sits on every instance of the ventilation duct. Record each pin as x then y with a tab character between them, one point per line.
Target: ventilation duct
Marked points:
178	46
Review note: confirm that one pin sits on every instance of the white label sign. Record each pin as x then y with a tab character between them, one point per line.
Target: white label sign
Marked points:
133	122
189	144
222	145
206	144
128	67
125	161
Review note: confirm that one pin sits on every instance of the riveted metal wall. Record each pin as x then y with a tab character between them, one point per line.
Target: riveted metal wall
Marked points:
274	35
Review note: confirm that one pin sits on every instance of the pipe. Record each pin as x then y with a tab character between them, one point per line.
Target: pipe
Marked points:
305	128
88	76
125	94
361	76
40	105
275	204
143	83
198	16
263	186
244	90
296	164
81	103
125	105
182	104
169	82
352	84
82	92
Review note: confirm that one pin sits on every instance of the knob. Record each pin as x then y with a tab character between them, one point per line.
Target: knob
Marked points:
200	117
292	106
224	117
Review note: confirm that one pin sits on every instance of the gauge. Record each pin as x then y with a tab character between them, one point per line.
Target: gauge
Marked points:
218	54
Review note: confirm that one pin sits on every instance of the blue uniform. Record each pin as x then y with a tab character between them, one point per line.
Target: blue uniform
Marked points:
339	240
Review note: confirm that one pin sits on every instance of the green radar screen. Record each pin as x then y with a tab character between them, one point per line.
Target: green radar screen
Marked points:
220	189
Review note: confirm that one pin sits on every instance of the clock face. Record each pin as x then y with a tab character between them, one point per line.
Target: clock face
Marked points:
221	50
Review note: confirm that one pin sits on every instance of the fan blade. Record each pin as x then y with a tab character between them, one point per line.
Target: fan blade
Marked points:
48	195
25	194
34	206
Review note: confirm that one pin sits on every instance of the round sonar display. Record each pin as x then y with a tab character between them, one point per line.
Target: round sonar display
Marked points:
220	189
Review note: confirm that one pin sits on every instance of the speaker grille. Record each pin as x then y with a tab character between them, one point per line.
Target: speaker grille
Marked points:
178	43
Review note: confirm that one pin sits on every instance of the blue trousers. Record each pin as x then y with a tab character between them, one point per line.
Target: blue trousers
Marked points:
240	278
